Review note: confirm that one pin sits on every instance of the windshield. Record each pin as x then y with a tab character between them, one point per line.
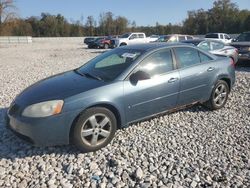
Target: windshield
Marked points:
110	65
243	37
126	35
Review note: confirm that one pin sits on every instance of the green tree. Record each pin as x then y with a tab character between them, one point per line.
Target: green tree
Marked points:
90	23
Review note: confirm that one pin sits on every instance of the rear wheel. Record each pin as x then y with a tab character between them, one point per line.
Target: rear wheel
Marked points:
94	129
219	96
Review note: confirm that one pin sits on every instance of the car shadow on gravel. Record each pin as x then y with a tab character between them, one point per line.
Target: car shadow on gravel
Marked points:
243	66
12	147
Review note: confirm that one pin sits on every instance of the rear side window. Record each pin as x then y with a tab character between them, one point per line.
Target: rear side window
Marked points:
216	45
187	56
212	35
221	36
157	63
204	45
204	57
189	37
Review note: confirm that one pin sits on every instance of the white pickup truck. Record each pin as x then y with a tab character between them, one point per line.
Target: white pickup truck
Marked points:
130	38
223	37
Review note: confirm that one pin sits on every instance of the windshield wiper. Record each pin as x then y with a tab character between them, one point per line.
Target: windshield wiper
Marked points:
88	75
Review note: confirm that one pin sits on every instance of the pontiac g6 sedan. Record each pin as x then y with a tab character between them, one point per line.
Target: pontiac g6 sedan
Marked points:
87	105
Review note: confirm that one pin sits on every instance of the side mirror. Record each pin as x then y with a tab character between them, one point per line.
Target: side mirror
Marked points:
139	75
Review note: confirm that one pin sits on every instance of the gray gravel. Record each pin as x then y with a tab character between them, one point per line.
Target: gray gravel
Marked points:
189	148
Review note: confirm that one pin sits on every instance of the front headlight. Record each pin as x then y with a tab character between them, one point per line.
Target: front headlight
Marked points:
43	109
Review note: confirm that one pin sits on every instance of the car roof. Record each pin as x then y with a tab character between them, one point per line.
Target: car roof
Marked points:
154	45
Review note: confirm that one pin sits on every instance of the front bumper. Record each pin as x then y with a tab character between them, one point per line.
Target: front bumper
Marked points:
49	131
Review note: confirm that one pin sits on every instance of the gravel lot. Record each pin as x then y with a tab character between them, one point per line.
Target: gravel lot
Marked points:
189	148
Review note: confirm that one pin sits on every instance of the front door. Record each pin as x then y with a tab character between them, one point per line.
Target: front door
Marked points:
154	95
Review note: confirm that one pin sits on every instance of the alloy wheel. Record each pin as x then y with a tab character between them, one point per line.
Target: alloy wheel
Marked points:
220	95
96	129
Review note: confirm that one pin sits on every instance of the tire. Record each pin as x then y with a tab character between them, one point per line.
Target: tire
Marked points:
106	46
94	129
218	96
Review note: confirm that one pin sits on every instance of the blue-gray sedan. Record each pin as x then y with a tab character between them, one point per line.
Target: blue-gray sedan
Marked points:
118	87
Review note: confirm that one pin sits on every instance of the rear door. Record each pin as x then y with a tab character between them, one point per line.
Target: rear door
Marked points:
195	74
154	95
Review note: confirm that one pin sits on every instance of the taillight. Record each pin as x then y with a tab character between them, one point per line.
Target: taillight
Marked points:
232	63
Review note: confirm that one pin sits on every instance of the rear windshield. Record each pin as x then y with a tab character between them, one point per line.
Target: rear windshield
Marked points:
212	35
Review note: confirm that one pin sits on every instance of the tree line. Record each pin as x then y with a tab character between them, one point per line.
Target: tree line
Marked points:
224	16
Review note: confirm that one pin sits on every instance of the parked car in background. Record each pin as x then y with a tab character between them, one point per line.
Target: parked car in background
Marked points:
174	38
223	37
104	43
95	42
120	86
242	43
152	38
128	39
88	40
216	47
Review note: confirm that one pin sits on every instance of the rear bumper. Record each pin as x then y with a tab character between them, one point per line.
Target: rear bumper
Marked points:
49	131
244	56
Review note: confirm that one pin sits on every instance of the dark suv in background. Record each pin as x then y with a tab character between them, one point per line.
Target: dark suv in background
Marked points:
242	43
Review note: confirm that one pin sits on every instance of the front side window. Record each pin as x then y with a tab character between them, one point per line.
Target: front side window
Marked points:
227	37
134	36
111	64
187	56
157	63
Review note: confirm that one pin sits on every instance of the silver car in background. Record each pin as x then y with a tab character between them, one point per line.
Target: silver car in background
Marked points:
216	48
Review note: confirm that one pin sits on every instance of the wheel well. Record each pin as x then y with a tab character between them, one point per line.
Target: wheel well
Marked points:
108	106
227	80
123	43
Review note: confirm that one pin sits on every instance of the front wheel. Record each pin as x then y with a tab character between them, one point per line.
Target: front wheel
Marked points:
219	96
94	129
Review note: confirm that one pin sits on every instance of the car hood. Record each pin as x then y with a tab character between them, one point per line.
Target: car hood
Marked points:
59	86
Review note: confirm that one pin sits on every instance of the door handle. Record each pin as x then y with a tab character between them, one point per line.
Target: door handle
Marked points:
171	80
210	69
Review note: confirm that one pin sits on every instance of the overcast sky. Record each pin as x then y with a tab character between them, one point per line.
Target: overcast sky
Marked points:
143	12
